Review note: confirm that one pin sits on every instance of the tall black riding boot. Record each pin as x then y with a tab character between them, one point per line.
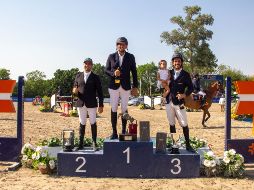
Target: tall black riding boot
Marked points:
124	123
174	148
94	136
114	123
81	136
187	139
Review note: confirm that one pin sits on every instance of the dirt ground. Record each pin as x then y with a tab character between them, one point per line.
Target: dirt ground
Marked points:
39	126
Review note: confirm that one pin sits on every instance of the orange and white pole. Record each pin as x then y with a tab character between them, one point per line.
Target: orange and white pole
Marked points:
6	89
245	105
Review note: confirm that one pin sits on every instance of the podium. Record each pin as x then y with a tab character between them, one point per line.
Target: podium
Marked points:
128	159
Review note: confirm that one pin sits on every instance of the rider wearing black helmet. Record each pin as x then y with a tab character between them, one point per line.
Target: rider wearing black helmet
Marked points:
118	67
180	87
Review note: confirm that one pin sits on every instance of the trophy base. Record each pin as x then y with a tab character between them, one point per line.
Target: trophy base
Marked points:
127	137
174	150
68	149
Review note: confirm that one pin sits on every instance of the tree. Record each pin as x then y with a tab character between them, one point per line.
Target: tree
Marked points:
65	80
191	39
226	71
147	74
4	74
100	70
35	84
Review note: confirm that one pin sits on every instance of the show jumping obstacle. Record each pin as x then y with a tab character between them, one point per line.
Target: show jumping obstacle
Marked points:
245	105
10	147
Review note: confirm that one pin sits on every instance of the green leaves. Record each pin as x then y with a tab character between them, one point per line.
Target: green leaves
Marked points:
191	38
4	74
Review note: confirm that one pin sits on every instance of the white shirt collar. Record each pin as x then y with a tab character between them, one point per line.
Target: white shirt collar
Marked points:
120	54
175	71
121	59
85	73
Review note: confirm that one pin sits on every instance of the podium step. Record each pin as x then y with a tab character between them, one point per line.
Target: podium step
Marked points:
128	159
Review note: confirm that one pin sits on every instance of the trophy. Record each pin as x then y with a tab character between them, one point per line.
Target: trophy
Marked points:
175	147
131	134
68	140
161	143
144	131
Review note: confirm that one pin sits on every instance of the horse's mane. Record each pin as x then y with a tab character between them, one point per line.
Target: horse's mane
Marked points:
212	89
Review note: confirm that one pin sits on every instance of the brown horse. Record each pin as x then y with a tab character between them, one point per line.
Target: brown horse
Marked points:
196	104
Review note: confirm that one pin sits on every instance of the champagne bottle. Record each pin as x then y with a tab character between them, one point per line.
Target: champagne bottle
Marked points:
117	78
75	95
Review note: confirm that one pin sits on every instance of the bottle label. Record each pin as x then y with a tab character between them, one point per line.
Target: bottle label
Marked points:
117	81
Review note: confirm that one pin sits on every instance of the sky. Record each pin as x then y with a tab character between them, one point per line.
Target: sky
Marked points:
47	35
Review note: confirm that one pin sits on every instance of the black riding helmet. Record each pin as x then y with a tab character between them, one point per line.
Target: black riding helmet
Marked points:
177	55
121	40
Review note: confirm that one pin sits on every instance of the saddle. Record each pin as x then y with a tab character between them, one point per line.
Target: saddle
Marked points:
200	98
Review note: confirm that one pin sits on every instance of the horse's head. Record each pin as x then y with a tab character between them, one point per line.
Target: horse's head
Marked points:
214	87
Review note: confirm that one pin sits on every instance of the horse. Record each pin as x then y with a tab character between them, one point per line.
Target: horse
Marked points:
196	104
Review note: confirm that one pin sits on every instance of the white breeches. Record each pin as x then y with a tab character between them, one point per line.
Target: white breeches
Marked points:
175	111
82	112
114	98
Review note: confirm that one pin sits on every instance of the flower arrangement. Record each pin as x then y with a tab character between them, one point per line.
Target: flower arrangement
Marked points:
52	142
169	142
37	158
45	107
241	117
27	151
194	142
232	164
210	165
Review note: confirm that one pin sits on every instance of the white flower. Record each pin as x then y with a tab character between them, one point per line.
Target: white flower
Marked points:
52	164
225	153
210	153
213	170
38	149
25	157
37	157
231	152
212	163
226	160
44	154
26	146
207	163
217	161
33	156
241	158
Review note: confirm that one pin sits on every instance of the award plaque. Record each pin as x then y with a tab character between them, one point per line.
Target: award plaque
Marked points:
144	130
161	142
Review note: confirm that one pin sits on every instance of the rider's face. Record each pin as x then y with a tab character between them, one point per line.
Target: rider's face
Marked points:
177	63
121	47
88	66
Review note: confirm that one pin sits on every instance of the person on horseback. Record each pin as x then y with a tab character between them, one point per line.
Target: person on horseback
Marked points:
198	92
180	87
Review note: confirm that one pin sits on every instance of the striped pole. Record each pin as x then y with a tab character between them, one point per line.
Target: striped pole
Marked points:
6	89
245	104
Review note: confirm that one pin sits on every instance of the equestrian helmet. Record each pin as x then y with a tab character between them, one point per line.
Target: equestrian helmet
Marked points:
177	55
122	40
